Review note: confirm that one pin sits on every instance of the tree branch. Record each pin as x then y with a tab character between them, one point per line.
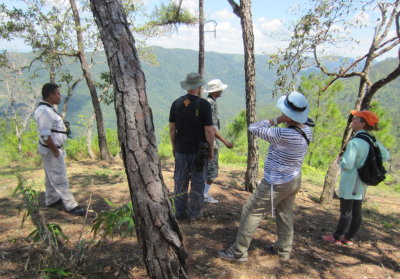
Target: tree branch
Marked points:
235	7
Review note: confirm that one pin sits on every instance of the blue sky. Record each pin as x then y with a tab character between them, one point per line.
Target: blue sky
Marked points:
271	20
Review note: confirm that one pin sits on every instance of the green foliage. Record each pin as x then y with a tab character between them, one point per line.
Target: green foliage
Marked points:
165	147
9	143
53	272
171	15
117	220
330	123
112	142
313	175
29	194
55	232
236	133
76	148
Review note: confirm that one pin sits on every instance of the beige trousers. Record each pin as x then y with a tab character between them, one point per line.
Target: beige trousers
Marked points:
258	205
57	185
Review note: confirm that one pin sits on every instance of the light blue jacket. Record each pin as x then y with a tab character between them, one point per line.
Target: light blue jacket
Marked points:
352	159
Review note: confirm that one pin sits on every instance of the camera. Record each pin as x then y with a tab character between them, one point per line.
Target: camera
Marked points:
309	122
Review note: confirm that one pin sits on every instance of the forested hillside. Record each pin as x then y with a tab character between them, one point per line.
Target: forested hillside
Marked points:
163	87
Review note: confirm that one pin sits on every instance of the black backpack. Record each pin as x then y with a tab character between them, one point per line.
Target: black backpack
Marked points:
372	172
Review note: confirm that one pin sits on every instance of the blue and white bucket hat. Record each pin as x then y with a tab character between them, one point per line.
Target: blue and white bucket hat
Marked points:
295	106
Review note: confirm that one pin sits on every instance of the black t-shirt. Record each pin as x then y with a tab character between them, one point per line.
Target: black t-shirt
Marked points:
189	128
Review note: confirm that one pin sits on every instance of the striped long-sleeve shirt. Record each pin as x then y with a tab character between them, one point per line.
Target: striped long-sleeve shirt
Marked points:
286	151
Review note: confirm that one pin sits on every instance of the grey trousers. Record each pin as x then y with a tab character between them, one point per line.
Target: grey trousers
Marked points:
258	205
57	185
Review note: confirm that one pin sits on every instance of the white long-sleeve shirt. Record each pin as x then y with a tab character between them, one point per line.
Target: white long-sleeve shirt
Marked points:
47	119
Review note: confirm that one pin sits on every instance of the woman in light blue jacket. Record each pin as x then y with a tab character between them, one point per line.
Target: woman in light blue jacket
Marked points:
351	189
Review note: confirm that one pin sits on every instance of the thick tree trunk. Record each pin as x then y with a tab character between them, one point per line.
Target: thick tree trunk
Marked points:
104	153
250	76
156	226
201	38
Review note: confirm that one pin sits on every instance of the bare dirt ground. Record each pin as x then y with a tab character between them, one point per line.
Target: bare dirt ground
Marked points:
376	253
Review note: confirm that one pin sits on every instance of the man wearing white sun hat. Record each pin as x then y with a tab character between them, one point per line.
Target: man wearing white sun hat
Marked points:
282	178
214	90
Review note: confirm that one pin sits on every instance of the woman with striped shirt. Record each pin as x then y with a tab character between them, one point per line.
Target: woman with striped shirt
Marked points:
282	178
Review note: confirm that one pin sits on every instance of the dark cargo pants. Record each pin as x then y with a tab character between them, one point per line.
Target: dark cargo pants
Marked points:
188	203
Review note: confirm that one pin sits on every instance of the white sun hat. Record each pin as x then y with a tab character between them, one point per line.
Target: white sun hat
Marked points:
295	106
215	85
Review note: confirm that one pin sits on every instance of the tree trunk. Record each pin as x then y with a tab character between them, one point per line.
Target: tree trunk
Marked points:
89	137
201	38
156	226
244	13
70	91
250	77
52	72
104	153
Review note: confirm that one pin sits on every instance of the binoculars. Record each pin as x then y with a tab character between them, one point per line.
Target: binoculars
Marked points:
309	122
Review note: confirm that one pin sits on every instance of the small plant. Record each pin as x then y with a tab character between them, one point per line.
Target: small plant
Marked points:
29	195
118	220
55	232
52	272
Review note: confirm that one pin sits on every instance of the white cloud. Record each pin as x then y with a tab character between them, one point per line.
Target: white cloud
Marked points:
191	5
269	25
362	18
224	14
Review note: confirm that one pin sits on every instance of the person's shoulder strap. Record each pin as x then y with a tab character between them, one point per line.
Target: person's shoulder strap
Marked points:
366	137
301	132
48	105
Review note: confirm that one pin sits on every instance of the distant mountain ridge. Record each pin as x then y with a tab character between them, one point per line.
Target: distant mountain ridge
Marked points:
163	84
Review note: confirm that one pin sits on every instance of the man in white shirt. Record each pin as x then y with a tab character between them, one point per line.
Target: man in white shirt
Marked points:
214	89
53	135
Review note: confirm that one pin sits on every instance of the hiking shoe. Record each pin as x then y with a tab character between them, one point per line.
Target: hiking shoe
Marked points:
228	255
210	199
56	204
272	250
77	211
347	242
330	238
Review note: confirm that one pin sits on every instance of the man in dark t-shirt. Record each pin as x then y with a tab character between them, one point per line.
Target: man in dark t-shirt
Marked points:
190	126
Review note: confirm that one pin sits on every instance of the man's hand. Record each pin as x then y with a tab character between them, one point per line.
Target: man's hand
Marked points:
173	150
228	144
56	153
211	154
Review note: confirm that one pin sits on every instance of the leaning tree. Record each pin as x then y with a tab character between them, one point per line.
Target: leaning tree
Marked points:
324	27
156	226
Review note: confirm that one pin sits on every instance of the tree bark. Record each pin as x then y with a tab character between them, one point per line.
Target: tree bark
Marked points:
89	137
251	175
201	38
156	226
104	153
